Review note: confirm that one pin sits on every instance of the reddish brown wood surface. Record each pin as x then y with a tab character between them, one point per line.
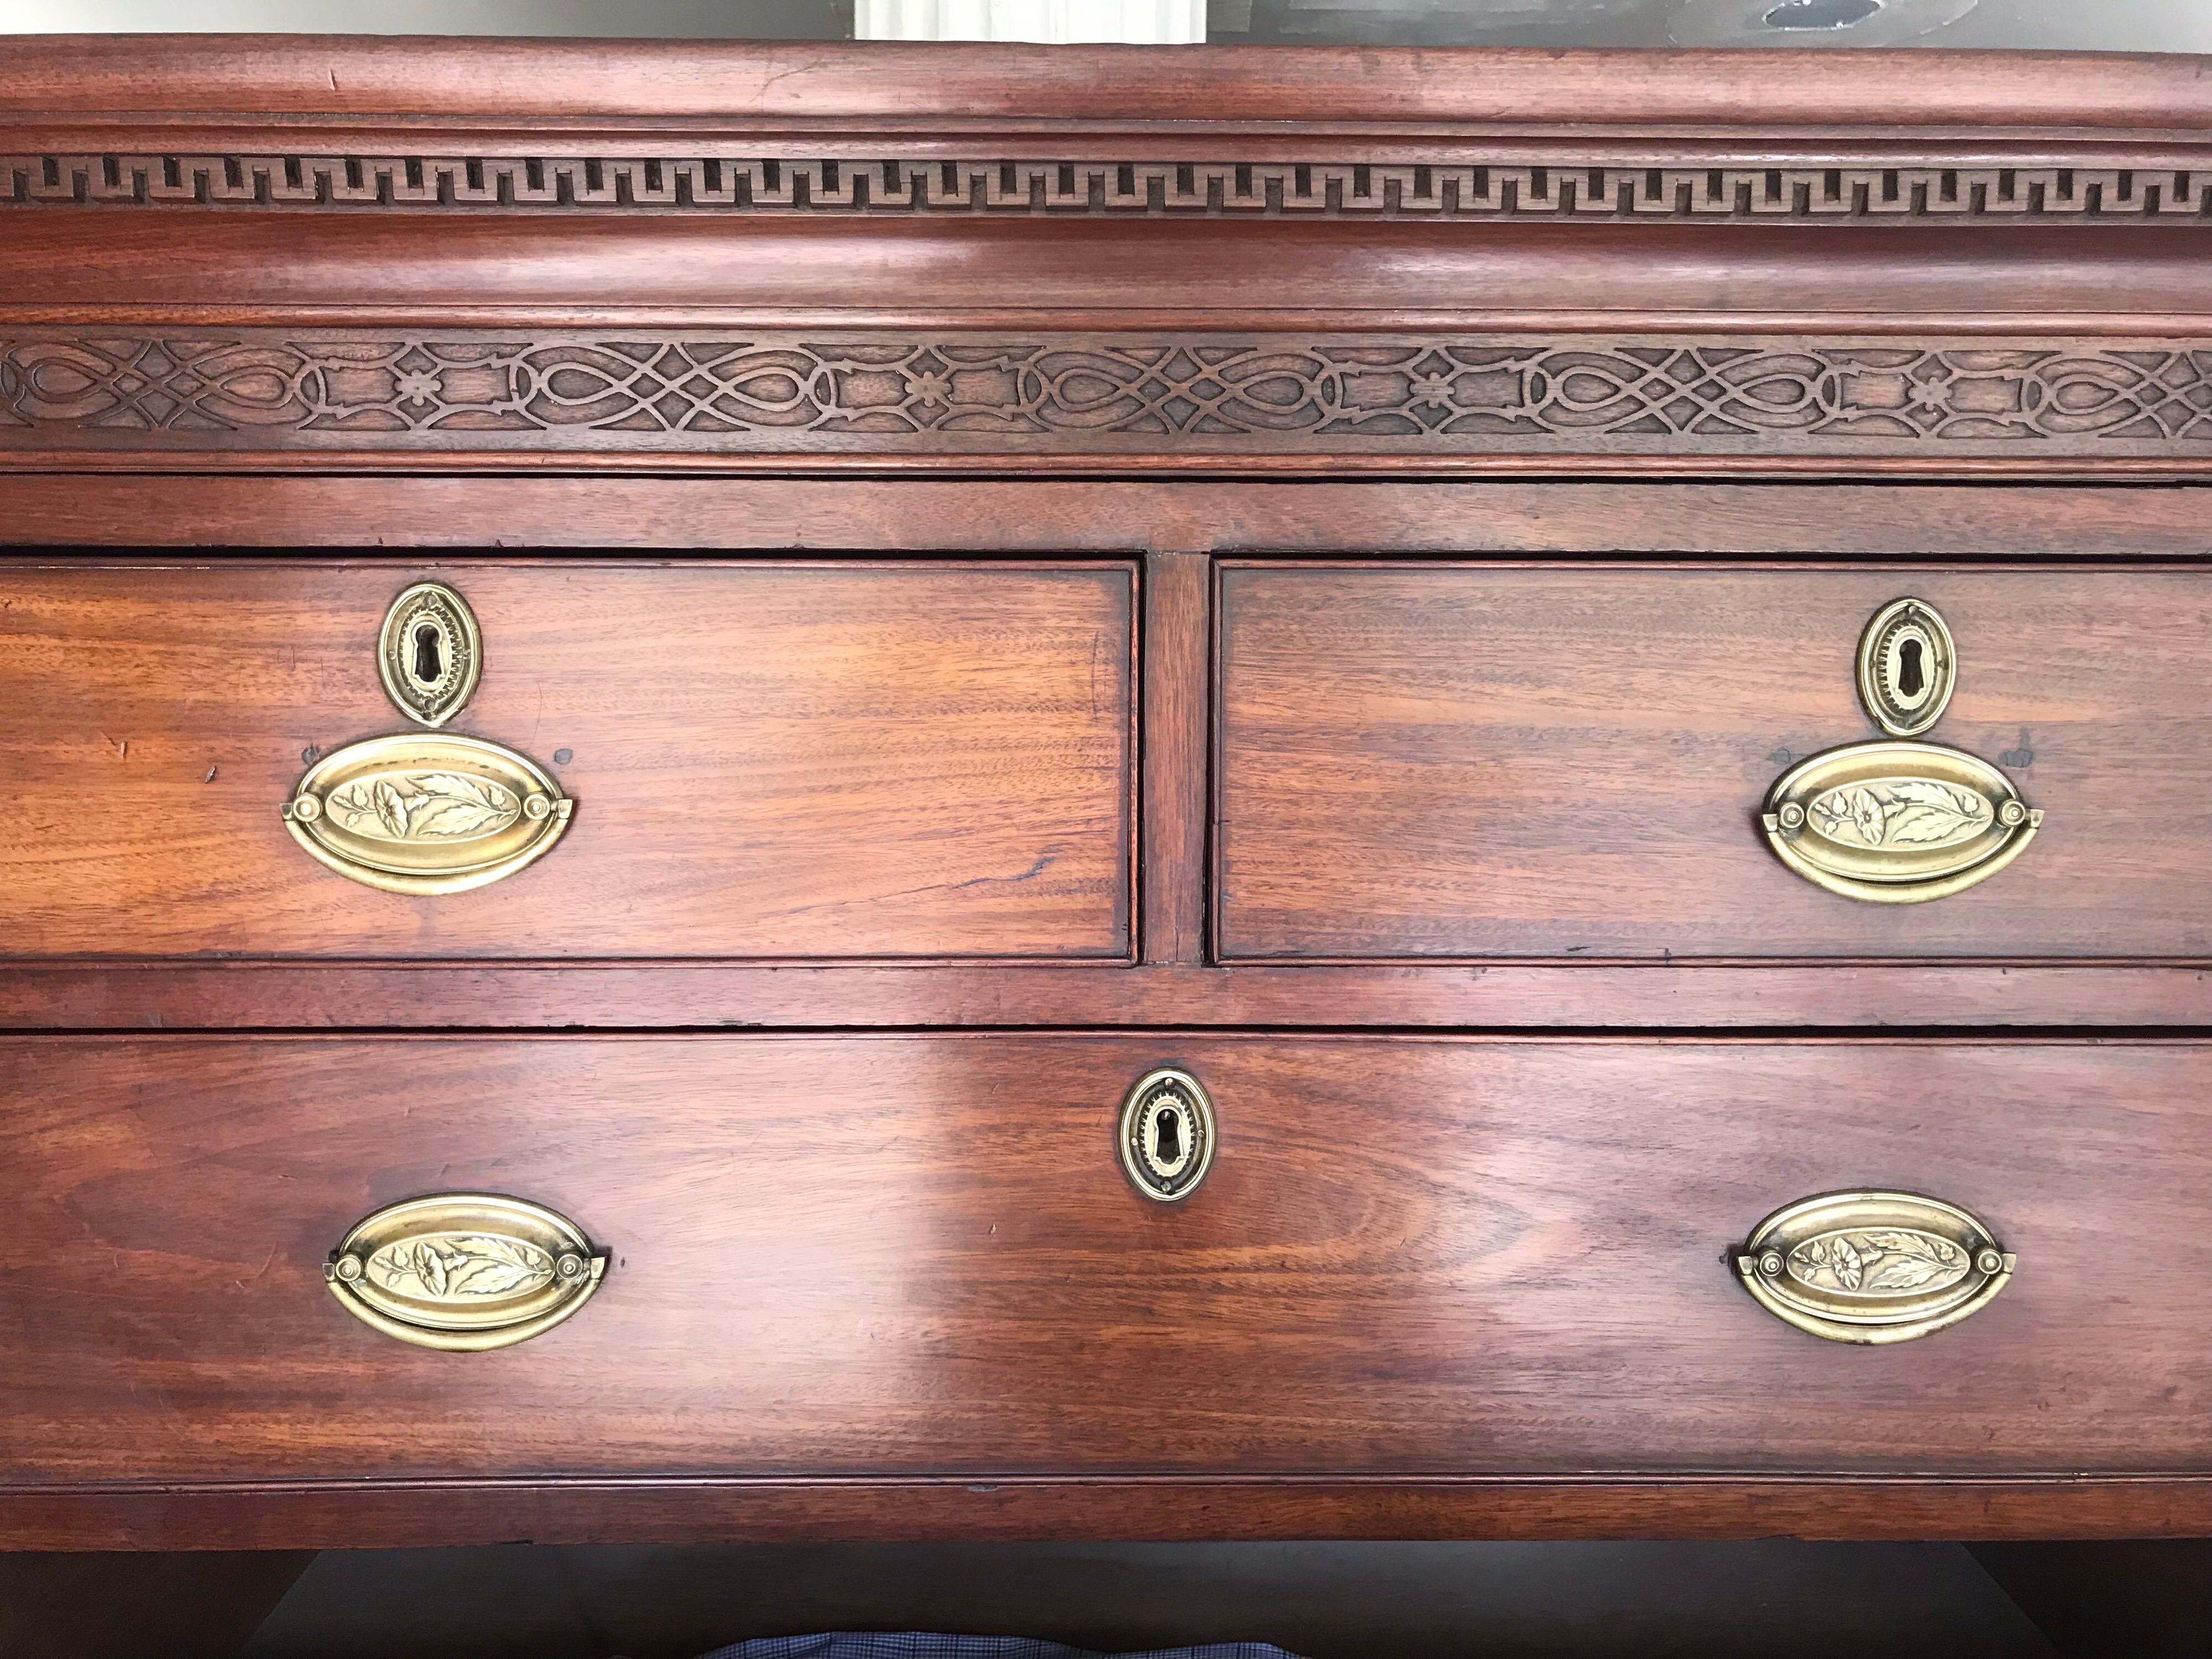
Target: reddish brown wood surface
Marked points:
97	266
326	77
1454	761
400	1514
1677	996
1178	636
768	761
915	1255
1058	516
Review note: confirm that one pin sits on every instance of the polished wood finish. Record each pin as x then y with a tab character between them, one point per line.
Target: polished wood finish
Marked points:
1162	514
1464	761
768	761
1025	755
327	79
903	1256
1495	996
665	1509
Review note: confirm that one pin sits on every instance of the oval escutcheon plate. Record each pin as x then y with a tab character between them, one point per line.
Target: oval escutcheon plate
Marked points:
1897	823
1873	1266
424	813
464	1271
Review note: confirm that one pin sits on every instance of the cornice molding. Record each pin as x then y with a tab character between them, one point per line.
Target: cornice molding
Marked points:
949	397
1569	190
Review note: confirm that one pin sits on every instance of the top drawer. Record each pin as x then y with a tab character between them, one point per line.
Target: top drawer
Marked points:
767	761
1454	761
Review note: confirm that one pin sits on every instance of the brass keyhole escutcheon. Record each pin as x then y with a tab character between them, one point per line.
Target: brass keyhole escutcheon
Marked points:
1167	1134
430	653
426	812
1907	667
1899	822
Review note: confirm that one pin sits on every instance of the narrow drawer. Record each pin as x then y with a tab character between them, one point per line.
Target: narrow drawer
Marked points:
1454	760
765	760
920	1254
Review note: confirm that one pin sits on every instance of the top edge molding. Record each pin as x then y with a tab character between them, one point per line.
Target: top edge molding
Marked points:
899	86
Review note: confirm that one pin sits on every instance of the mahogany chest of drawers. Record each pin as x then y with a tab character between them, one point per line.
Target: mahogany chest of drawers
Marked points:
904	794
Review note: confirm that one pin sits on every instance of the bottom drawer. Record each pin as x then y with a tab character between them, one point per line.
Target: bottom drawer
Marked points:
919	1255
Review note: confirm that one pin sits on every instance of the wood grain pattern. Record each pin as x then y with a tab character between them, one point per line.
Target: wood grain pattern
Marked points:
333	80
1178	636
1494	996
866	1258
1452	762
1006	515
770	761
405	1514
102	271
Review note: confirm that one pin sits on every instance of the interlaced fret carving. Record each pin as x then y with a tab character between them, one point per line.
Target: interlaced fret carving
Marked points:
964	394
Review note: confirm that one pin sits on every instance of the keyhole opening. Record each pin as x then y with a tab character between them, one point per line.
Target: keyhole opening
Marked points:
1167	1137
429	659
1910	681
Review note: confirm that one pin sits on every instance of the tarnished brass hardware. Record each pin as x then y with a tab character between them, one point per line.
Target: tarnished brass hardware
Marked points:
1907	667
1897	823
1167	1134
1873	1266
419	813
464	1271
429	653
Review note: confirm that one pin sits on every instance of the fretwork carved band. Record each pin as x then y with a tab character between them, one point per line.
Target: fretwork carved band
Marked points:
949	394
1443	190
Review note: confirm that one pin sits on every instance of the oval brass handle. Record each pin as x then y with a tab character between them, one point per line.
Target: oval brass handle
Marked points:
1873	1266
1166	1135
424	812
1897	823
464	1271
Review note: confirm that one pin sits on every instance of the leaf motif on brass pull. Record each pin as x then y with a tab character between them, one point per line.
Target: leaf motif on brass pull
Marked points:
1896	1260
423	806
1897	823
422	812
464	1270
1900	813
460	1266
1873	1266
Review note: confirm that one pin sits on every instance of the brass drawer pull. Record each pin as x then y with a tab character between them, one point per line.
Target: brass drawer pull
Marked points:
419	813
1873	1266
422	813
464	1271
1899	821
1166	1135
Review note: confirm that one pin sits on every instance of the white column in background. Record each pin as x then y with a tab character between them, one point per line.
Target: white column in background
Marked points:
1052	22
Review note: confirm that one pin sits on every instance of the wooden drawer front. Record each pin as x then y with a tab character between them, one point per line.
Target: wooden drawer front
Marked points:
1454	761
768	761
918	1254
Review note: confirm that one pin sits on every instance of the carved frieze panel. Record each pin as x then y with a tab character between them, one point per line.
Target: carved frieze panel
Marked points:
1721	189
946	393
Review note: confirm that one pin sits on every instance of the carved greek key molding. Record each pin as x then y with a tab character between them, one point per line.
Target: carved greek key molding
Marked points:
1442	189
741	393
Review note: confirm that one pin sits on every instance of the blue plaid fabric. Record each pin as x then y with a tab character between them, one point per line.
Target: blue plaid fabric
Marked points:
915	1644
